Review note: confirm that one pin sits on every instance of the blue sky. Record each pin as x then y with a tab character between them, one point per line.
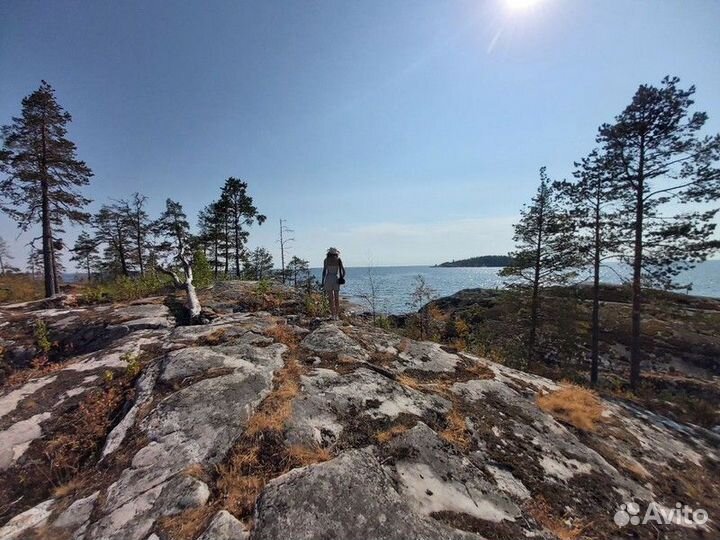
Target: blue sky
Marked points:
403	132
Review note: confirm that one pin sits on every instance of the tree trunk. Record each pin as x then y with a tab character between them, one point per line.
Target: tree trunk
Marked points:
237	249
215	254
48	267
535	304
635	351
282	253
139	248
595	339
88	269
54	267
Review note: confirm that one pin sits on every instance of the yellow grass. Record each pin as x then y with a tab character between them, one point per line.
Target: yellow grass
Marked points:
573	405
456	432
282	333
541	510
389	434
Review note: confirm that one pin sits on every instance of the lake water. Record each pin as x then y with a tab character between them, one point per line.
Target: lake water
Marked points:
393	284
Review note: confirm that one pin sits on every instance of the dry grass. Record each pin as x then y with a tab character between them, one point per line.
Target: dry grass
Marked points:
70	487
87	427
387	435
196	470
40	367
277	407
573	405
634	468
543	513
301	456
215	338
282	333
410	382
20	288
261	453
456	432
187	525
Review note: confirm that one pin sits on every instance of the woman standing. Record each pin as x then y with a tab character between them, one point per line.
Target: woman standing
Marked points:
333	275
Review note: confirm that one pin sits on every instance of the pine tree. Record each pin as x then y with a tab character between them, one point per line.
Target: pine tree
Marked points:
211	222
241	214
259	264
34	262
298	268
591	203
545	254
85	252
139	223
173	230
43	174
656	145
113	228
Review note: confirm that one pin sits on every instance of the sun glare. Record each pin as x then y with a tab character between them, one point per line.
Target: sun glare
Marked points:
521	5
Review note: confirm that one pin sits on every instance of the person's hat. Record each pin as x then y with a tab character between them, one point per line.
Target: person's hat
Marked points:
333	251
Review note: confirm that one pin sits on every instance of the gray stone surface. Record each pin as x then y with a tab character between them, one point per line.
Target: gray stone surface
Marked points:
75	515
34	517
224	526
330	339
349	497
327	397
434	479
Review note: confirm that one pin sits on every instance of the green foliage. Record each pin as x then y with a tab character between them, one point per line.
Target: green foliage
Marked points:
316	304
126	288
381	321
263	287
42	336
202	272
133	367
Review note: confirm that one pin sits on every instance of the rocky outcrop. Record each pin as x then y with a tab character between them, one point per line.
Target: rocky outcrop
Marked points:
341	430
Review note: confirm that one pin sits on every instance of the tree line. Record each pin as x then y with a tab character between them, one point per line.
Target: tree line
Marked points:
42	183
629	201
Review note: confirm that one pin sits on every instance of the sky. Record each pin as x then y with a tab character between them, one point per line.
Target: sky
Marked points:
402	132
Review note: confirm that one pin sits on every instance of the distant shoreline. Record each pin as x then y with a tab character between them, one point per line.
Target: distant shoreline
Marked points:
484	261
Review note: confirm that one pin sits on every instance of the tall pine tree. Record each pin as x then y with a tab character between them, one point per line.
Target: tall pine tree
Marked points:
43	174
664	162
545	252
591	202
241	213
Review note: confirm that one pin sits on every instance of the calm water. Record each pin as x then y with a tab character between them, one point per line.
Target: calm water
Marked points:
393	284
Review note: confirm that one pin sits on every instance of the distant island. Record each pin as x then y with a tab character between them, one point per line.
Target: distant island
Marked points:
495	261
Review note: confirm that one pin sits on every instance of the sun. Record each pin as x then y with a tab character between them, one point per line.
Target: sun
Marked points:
521	5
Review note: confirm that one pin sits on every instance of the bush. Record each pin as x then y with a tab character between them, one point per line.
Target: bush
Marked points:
126	288
202	271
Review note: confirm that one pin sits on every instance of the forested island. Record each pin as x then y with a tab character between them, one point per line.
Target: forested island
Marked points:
491	261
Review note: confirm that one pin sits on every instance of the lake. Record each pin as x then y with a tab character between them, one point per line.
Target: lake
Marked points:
393	284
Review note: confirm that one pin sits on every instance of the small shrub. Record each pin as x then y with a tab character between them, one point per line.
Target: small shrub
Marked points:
126	288
42	337
133	364
316	304
573	405
263	287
